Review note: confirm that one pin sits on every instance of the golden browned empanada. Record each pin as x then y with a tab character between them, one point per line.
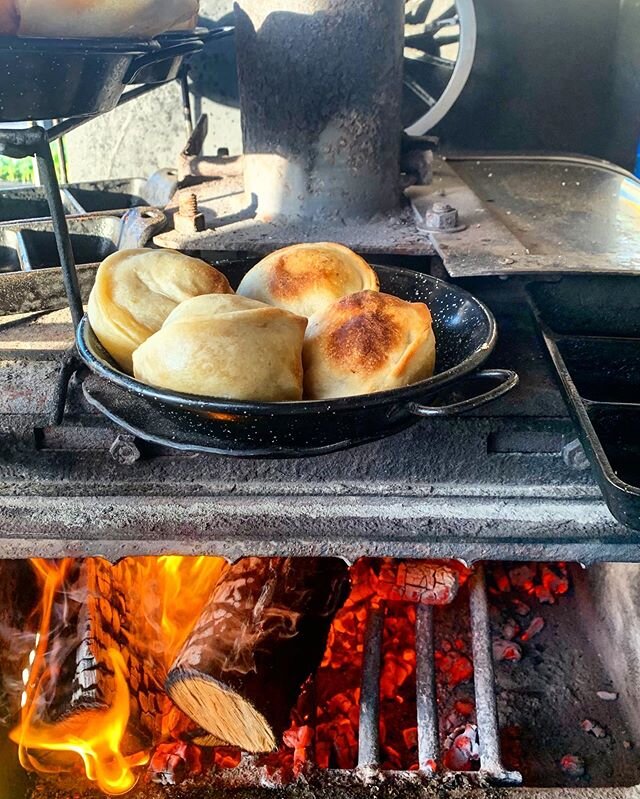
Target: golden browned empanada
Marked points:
367	342
306	278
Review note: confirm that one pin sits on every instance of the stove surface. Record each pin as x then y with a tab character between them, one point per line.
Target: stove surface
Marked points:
507	481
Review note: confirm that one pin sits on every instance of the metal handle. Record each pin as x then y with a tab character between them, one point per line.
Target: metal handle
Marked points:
211	34
139	225
507	380
189	47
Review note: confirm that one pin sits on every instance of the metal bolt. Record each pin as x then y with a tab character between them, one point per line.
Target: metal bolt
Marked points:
574	456
188	219
124	450
188	205
441	216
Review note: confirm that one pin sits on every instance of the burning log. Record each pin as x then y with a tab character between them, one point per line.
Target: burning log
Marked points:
261	634
89	620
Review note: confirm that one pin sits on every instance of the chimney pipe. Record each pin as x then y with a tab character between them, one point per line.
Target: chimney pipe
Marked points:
320	94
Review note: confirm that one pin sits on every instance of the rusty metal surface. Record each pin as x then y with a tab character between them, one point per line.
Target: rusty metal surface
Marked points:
233	226
30	279
30	202
232	223
535	215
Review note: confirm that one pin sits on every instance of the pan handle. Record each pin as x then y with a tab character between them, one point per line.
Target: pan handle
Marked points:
188	47
506	381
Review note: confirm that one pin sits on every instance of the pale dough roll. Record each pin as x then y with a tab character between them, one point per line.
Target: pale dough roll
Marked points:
307	278
136	290
226	346
101	18
367	342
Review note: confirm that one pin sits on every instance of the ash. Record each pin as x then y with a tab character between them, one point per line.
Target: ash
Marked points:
545	698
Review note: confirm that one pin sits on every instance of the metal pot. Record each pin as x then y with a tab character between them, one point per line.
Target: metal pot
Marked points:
465	333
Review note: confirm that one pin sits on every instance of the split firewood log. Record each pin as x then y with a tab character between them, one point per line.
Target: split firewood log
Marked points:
261	634
94	612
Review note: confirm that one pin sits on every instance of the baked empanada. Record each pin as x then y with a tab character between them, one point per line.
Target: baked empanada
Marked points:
226	346
307	278
367	342
136	290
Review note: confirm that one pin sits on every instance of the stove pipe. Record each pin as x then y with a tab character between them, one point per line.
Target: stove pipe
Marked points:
320	94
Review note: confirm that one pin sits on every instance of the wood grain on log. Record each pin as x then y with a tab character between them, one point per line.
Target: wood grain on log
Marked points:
259	637
96	609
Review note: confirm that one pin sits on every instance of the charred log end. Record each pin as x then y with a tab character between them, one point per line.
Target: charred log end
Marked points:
261	635
220	711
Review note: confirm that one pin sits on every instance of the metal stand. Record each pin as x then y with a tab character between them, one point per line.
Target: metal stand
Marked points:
183	80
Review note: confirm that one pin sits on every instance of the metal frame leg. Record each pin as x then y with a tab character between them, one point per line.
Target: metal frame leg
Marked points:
60	228
369	733
183	80
484	679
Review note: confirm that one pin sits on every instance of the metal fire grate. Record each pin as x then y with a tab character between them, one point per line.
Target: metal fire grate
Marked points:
491	766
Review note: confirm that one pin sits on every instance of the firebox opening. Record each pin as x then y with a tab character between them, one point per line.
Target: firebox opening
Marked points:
97	660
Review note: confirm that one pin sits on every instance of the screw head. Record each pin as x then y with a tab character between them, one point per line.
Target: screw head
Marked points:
124	450
442	208
441	216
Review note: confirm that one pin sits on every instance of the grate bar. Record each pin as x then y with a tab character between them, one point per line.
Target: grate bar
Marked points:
369	727
484	679
427	709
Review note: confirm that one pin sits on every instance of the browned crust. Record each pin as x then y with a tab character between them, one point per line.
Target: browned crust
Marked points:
366	327
297	270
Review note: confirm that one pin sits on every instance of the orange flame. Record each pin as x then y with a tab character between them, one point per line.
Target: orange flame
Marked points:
94	735
175	590
183	586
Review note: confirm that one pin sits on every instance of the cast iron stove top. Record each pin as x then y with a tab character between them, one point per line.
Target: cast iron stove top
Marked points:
509	481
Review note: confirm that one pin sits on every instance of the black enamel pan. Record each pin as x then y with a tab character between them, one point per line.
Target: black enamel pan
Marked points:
465	332
44	78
